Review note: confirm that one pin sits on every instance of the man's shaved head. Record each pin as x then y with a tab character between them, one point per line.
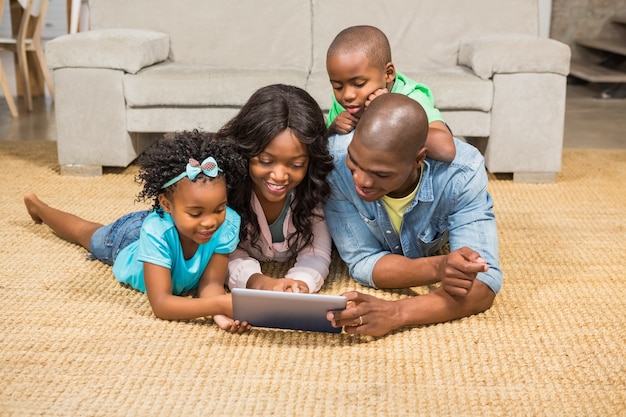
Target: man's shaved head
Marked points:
393	122
366	39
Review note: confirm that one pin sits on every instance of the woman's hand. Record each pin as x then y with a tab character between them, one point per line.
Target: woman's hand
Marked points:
263	282
292	285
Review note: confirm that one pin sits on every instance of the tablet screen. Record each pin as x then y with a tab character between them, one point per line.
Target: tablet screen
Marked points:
286	310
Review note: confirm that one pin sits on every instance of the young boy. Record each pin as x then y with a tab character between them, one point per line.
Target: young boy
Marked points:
360	69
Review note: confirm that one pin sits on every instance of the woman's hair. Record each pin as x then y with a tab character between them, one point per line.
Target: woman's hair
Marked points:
268	112
168	157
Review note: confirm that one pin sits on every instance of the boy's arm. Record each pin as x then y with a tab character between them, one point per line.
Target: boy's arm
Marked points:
439	142
343	123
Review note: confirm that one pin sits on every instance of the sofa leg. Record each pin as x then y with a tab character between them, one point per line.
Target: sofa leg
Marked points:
534	177
81	170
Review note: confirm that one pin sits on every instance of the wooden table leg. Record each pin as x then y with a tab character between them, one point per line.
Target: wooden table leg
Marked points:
68	5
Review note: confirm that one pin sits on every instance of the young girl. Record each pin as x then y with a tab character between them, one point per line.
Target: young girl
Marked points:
183	243
281	132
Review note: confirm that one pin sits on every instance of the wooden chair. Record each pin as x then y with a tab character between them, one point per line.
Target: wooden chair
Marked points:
28	39
4	83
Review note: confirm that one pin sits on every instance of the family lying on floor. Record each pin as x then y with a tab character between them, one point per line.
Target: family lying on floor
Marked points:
390	187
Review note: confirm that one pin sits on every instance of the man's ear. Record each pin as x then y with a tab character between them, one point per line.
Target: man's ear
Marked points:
165	203
421	155
390	72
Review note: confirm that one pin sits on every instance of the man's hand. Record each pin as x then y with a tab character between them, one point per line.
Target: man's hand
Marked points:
366	314
459	269
344	123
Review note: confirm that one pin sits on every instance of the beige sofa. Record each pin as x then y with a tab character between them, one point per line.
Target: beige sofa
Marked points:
148	67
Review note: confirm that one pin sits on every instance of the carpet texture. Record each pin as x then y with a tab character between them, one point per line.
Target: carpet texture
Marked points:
74	342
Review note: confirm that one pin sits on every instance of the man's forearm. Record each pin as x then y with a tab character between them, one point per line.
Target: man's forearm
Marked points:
438	306
397	271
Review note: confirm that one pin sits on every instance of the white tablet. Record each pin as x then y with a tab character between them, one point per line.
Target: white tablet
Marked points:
286	310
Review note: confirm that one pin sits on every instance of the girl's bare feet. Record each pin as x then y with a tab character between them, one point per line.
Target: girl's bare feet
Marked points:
33	203
66	225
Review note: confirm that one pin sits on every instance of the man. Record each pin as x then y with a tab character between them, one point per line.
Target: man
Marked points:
391	210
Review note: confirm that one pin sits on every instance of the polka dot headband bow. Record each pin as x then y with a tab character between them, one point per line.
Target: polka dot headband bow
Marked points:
207	167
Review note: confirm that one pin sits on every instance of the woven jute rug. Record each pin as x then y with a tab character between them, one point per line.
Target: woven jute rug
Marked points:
74	342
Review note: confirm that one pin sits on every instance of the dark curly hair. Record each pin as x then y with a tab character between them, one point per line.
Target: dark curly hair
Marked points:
268	112
168	158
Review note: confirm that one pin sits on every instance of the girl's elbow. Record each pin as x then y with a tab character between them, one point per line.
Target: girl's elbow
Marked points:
162	315
161	312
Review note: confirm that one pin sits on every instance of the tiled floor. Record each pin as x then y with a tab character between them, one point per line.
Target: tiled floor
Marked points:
590	122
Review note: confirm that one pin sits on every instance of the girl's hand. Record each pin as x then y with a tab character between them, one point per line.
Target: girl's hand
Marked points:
230	325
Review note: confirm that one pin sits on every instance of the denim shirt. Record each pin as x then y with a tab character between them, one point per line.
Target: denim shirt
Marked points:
451	205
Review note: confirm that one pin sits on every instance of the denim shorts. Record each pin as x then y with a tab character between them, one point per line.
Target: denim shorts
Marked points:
107	242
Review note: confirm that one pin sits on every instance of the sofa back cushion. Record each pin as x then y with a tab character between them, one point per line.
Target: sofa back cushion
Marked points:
219	33
424	34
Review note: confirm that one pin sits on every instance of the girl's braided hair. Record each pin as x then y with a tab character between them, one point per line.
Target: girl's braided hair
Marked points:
168	157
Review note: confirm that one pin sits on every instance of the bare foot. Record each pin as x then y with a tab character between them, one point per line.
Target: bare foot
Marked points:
33	203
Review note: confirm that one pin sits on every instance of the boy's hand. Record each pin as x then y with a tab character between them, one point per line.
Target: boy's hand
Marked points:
230	325
344	123
375	94
459	269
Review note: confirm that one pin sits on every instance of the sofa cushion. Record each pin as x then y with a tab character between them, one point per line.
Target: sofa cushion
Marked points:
178	84
124	49
456	88
241	34
507	53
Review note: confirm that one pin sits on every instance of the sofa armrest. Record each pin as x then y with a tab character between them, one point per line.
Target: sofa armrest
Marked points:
513	53
123	49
